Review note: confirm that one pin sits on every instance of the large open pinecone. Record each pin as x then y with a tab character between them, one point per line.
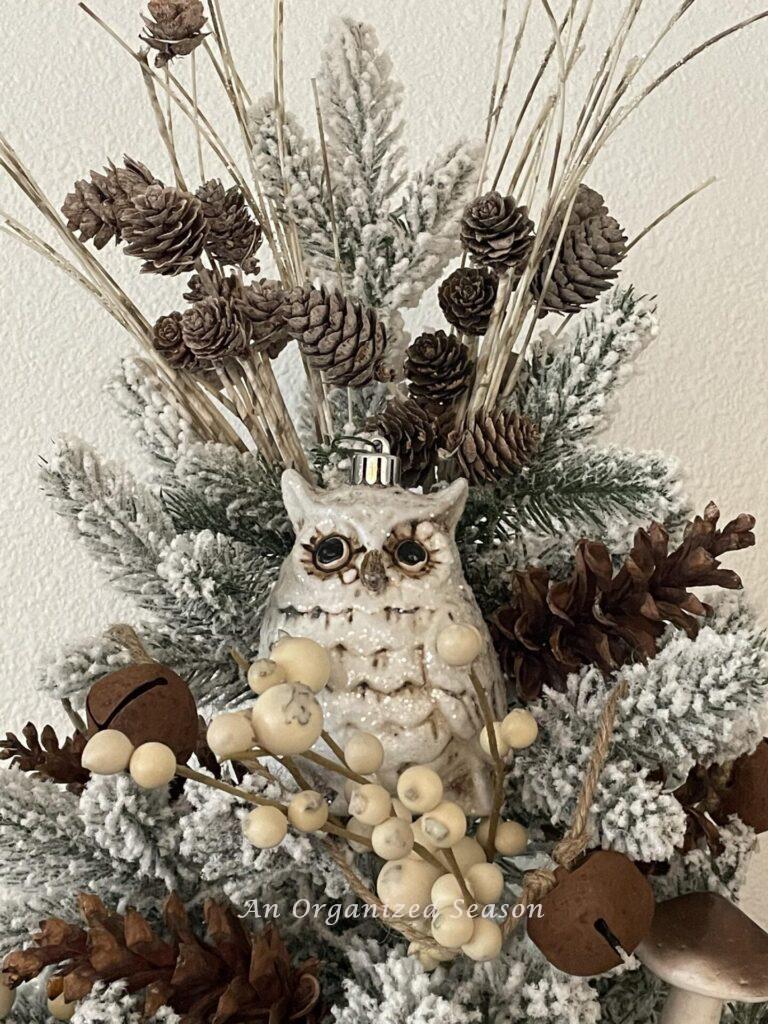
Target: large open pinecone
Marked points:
165	228
413	434
95	206
212	330
496	232
339	336
467	297
595	616
231	975
233	235
438	368
262	306
45	757
493	446
174	28
593	244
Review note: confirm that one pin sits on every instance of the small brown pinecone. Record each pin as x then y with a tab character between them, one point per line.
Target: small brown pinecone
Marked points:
493	446
94	207
205	284
438	368
169	343
496	232
262	306
165	228
593	244
413	435
233	234
339	336
212	330
467	297
173	28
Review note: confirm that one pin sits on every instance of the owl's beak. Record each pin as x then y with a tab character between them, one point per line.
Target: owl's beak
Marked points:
372	572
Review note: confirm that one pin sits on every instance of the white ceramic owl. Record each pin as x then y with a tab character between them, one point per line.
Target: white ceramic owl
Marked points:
374	576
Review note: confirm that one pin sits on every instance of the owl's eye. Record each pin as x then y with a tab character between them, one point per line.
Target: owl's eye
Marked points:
332	553
411	555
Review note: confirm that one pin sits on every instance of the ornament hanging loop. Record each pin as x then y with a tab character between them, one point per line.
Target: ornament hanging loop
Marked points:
372	462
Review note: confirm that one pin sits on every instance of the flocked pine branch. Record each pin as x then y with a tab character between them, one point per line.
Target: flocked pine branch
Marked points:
396	232
570	381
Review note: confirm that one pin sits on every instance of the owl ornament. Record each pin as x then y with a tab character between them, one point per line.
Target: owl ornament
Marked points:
375	577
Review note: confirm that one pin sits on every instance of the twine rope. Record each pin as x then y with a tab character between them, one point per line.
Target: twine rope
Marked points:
541	881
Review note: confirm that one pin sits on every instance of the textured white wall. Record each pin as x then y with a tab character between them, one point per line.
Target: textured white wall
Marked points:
70	99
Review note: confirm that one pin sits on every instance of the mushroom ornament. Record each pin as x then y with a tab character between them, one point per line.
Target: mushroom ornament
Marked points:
375	577
710	953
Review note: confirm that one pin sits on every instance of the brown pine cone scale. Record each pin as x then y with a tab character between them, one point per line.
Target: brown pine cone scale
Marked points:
173	28
597	616
343	339
231	975
233	235
467	297
165	228
212	330
413	435
492	447
438	368
496	232
593	244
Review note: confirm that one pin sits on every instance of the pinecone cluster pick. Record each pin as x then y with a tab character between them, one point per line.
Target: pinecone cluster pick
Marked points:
467	297
231	975
496	232
593	244
174	28
343	339
95	206
597	616
233	234
42	755
438	368
413	434
166	228
493	446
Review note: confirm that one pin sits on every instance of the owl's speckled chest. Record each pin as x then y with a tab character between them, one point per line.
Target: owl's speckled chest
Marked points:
395	585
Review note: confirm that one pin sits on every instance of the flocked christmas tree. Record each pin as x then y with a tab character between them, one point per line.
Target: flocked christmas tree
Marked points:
585	561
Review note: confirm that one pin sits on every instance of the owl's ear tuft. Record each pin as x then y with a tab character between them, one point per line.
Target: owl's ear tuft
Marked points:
299	497
449	503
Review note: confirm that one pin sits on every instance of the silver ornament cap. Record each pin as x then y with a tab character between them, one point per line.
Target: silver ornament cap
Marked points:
372	462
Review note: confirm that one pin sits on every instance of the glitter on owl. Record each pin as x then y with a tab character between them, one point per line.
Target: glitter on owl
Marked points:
375	576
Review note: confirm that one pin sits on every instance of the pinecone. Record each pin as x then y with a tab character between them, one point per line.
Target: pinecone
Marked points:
231	975
168	341
338	336
165	228
467	297
493	446
438	368
205	284
593	244
44	757
212	330
95	206
551	628
176	29
233	234
496	232
262	307
412	433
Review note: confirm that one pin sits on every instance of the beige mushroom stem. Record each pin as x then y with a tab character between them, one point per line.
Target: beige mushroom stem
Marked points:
710	952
